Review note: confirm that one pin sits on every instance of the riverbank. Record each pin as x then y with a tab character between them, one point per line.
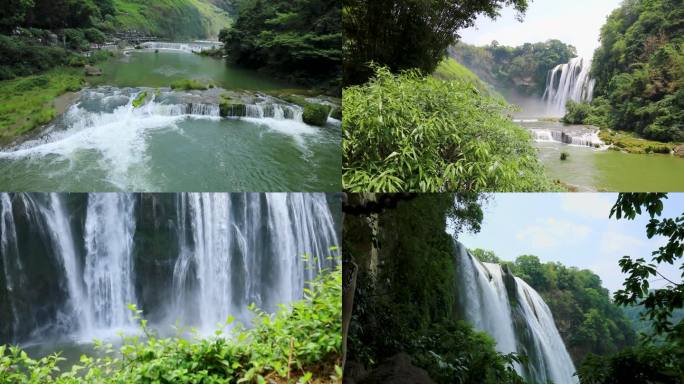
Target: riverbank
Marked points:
630	142
32	101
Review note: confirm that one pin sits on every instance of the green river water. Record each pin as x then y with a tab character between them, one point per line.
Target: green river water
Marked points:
104	144
591	169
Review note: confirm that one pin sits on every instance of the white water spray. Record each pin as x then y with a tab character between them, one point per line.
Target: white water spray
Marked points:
570	81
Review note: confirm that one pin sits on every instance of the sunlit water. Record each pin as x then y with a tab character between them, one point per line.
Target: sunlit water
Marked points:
589	168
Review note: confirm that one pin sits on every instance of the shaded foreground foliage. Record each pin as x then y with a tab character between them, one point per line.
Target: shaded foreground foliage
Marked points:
301	342
411	133
407	34
405	300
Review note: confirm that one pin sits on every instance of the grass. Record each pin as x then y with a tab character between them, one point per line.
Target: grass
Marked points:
172	18
190	84
449	69
632	143
25	103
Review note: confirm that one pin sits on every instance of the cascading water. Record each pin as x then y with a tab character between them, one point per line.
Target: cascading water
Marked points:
193	258
108	272
570	81
504	306
196	46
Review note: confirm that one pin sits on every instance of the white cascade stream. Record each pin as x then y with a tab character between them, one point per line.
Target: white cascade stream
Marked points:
570	81
526	327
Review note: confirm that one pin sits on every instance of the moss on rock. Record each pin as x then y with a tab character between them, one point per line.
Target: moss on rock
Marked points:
232	109
316	114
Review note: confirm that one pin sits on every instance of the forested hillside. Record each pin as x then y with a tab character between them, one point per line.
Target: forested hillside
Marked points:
639	70
300	40
175	19
521	69
587	319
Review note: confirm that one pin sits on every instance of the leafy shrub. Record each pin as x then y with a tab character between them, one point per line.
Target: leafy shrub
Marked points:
564	155
302	337
642	364
94	35
316	114
576	113
75	39
412	133
188	84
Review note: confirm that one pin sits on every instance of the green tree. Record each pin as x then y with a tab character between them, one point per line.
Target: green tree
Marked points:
658	304
12	14
406	34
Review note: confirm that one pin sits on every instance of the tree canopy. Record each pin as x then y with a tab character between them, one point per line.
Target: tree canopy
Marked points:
405	34
300	40
639	68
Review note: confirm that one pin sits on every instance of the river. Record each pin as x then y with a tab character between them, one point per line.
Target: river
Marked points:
599	169
176	142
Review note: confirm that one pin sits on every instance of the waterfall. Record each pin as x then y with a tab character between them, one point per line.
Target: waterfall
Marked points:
570	81
274	110
250	250
109	229
505	307
196	258
197	46
572	137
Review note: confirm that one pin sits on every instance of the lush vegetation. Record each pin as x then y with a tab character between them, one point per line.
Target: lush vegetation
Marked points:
298	40
407	34
522	70
190	84
586	317
659	358
300	343
412	133
449	70
405	300
639	69
177	19
27	102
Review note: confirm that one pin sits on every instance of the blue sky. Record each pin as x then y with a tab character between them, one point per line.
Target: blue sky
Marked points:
576	22
572	228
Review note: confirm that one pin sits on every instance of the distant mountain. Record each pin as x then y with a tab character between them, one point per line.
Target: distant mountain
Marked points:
177	19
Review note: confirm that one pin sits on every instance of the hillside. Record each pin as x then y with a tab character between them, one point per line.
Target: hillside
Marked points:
450	69
176	19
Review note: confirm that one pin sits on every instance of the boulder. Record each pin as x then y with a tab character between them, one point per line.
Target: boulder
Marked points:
398	369
91	70
316	114
679	150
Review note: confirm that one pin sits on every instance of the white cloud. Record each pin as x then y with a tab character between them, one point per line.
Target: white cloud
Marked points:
551	232
616	244
589	205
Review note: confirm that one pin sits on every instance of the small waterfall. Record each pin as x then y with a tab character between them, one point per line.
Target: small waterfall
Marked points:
504	306
197	46
108	273
570	81
583	138
275	111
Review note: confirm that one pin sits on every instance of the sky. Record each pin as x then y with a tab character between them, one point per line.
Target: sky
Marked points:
576	22
572	228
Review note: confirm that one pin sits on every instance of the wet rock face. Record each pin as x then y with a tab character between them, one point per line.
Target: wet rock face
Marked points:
397	369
